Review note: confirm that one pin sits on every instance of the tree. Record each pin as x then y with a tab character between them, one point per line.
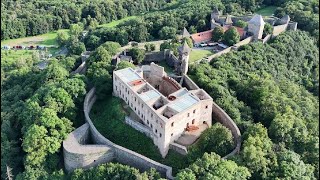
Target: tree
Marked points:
290	166
216	139
137	55
152	47
167	32
211	166
124	64
241	24
268	28
231	36
76	30
164	45
217	34
93	41
192	29
62	38
111	47
76	47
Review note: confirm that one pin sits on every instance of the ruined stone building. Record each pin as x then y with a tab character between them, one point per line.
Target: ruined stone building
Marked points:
161	103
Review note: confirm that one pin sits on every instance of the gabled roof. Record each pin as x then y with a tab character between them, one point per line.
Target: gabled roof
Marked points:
228	20
202	36
185	33
184	48
257	20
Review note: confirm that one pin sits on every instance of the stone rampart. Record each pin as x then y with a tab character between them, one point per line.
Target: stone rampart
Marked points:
81	68
154	56
219	53
266	39
139	127
244	42
221	116
279	29
188	83
179	148
171	59
79	155
122	154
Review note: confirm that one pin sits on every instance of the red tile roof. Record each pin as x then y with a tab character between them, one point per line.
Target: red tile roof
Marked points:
202	36
206	36
240	30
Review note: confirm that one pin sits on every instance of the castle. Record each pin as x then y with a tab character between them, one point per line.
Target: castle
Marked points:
255	23
255	26
162	104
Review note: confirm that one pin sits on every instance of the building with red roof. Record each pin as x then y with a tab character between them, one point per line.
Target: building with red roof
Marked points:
206	36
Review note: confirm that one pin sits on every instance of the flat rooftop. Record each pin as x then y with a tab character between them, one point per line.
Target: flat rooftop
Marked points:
128	75
184	102
149	95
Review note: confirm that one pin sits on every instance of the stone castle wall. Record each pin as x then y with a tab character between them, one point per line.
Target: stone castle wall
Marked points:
221	116
154	56
77	154
244	42
179	148
279	29
122	154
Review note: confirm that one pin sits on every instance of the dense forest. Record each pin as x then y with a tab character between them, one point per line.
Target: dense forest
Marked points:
28	18
270	90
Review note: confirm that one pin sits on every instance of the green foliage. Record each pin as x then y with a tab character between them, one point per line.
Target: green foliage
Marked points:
231	36
290	166
241	24
272	84
189	41
113	171
217	34
167	32
62	38
216	139
33	18
137	55
149	47
268	29
211	166
124	64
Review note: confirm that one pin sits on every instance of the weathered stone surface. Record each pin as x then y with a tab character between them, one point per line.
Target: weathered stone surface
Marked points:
78	155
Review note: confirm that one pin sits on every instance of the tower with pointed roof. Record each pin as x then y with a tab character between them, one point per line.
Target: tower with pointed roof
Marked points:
185	33
184	52
255	26
215	14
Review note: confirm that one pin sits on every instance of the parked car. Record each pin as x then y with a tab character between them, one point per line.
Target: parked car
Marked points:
212	44
203	44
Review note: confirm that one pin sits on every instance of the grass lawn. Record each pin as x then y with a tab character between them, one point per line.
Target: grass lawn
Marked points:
108	117
48	39
115	23
266	11
199	54
167	68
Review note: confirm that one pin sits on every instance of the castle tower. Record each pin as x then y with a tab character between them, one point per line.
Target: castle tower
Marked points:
215	14
255	26
228	20
185	33
184	51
